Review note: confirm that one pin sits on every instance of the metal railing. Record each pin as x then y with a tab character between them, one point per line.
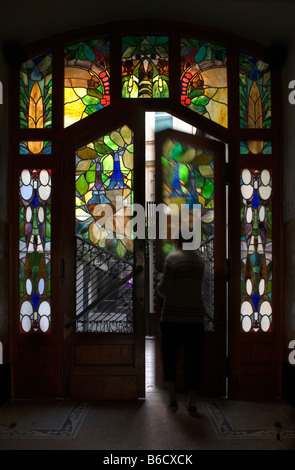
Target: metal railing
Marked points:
104	294
104	289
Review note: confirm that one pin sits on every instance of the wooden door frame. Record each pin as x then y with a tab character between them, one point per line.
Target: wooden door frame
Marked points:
241	373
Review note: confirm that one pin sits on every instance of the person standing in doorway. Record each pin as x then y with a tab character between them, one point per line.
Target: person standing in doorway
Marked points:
182	320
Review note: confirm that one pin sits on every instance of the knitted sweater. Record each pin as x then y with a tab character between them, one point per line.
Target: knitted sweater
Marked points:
181	288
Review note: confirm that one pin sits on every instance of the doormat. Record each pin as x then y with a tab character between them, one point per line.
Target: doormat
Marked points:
247	420
60	419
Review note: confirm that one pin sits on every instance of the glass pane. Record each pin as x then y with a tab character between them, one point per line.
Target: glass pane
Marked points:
104	191
255	93
104	262
255	147
204	79
256	250
145	67
36	93
35	147
35	250
188	178
87	79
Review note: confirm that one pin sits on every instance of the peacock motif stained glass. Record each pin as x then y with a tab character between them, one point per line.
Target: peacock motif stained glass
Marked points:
104	191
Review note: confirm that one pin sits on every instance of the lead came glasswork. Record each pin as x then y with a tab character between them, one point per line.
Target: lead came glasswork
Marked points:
188	178
255	147
87	79
256	250
145	67
35	147
105	166
104	191
35	250
36	93
255	93
204	79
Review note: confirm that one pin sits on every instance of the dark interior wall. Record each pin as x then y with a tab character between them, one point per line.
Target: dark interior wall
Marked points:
263	21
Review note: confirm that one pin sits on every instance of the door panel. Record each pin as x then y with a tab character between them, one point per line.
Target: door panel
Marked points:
190	170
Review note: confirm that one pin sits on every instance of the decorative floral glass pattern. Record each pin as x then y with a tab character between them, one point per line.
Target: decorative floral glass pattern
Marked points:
255	93
37	147
204	79
145	67
188	178
255	147
256	250
36	93
35	250
104	191
87	79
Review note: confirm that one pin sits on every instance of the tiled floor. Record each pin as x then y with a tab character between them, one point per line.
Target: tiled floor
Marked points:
147	424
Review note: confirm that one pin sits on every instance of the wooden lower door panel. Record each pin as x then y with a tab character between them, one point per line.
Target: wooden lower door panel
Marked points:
104	354
99	368
36	371
256	372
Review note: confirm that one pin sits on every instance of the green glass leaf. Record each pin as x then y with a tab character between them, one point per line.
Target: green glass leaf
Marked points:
195	93
199	180
201	101
183	172
208	189
89	54
199	109
176	151
95	93
121	250
206	171
90	175
89	100
82	185
200	54
101	147
87	153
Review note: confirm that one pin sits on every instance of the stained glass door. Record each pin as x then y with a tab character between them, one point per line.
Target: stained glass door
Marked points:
190	174
105	329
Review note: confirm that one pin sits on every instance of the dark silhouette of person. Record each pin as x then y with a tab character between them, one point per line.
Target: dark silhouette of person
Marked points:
182	320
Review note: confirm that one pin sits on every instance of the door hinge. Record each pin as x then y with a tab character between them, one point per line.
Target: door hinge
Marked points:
226	173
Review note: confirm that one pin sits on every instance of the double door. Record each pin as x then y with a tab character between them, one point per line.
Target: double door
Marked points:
111	266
